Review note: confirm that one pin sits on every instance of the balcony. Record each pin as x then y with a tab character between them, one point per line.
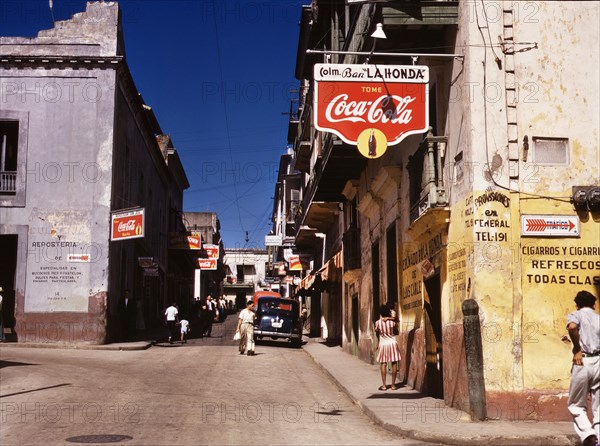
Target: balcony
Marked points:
8	182
417	14
426	172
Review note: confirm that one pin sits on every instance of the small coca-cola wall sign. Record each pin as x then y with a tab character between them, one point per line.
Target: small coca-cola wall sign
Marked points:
371	106
127	224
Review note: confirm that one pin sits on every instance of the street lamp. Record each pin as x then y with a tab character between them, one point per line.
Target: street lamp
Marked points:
377	34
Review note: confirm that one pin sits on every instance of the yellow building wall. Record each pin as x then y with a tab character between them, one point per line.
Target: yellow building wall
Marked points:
554	270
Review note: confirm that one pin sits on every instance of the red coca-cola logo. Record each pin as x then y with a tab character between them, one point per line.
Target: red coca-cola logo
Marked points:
126	226
391	109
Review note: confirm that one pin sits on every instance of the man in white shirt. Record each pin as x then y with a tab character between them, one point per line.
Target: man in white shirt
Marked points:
171	314
245	327
584	330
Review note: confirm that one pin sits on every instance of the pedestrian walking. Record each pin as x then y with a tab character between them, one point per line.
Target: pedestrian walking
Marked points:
245	327
584	330
208	313
388	349
172	317
184	326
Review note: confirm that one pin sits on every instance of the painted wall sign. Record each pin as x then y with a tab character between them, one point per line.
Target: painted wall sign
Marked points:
550	225
561	265
79	258
126	225
58	274
371	106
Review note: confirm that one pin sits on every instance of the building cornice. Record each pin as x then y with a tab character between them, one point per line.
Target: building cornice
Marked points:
27	61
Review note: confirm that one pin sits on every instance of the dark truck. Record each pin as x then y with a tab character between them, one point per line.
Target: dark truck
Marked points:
278	318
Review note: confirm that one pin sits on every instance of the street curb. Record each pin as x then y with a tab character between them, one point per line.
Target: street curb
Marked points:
130	346
455	440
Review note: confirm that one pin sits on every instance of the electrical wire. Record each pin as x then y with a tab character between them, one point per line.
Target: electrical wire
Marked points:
485	124
227	131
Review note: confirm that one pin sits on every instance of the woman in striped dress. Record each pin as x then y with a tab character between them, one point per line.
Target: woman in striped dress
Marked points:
388	350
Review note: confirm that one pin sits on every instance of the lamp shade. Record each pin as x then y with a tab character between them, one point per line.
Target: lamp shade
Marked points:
379	34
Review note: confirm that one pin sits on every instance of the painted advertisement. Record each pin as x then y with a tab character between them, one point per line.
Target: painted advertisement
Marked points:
61	264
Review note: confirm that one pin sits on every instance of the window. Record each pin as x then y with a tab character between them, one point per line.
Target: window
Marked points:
13	157
551	151
9	146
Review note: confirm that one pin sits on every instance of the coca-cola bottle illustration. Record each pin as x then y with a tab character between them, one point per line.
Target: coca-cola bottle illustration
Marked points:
372	144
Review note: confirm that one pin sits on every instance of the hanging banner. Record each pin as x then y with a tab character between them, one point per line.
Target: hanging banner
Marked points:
126	225
185	240
209	251
371	106
207	264
295	264
209	254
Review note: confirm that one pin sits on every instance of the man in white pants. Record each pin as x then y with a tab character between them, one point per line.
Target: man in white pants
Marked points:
584	330
245	327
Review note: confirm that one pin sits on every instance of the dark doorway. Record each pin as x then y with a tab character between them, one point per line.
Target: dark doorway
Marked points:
8	268
375	279
240	300
434	380
355	317
392	266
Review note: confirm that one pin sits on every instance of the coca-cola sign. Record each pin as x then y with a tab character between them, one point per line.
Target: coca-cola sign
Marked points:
371	106
127	224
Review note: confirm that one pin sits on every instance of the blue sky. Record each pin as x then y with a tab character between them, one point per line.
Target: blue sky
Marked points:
217	75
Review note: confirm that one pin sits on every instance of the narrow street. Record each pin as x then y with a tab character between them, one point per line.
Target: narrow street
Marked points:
203	392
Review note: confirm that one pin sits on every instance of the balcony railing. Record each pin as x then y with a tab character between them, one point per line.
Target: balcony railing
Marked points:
426	169
8	182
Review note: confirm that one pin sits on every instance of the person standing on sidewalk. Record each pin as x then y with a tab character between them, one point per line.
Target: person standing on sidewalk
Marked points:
245	327
388	349
584	330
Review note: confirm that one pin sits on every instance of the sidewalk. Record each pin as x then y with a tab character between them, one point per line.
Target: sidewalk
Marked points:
414	415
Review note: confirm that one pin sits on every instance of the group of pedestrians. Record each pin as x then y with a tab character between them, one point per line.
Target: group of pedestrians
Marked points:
176	326
208	310
212	310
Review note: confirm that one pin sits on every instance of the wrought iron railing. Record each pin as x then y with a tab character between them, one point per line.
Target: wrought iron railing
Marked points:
8	182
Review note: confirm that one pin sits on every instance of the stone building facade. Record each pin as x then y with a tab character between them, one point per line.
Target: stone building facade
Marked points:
79	143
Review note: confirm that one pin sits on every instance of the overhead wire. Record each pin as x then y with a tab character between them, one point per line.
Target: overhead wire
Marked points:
227	130
485	119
